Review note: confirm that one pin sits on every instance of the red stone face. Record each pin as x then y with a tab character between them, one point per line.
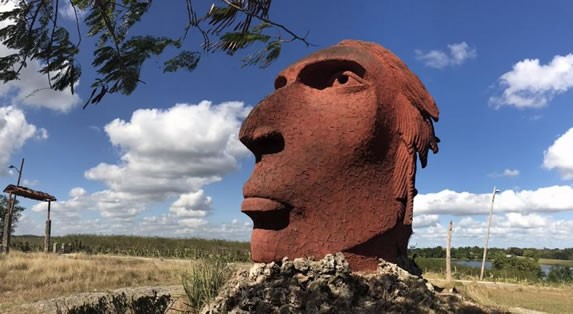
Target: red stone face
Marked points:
326	144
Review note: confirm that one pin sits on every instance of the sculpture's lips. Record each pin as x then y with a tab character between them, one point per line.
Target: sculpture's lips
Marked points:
266	213
260	204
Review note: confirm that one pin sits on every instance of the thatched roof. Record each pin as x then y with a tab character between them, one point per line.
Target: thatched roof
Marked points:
29	193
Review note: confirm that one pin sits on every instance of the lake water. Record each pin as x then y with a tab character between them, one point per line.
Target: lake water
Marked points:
477	264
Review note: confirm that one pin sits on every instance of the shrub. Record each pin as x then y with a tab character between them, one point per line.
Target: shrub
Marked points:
560	273
204	280
121	304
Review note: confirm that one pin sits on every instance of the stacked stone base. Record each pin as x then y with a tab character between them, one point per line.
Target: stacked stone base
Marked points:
328	286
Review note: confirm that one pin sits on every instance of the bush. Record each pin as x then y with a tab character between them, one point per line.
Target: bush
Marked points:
561	274
204	280
121	304
519	268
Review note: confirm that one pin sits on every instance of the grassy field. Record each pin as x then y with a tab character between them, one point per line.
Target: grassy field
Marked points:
26	278
30	277
545	299
138	246
548	261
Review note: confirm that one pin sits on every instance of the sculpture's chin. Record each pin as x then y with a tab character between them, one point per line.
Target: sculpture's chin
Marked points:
273	245
265	245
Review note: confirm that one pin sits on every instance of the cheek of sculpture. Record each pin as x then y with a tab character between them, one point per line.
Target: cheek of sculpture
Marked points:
330	172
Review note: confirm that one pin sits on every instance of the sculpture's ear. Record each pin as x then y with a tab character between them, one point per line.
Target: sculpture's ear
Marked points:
405	162
420	98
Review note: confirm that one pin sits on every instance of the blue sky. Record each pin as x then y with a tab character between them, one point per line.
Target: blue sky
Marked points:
166	161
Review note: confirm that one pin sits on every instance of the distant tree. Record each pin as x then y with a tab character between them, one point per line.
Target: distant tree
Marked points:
531	253
515	251
15	215
33	30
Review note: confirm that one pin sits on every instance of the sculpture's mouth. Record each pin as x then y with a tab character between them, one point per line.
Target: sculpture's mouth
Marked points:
266	213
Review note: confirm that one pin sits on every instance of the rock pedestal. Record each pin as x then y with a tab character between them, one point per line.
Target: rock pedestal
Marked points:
328	286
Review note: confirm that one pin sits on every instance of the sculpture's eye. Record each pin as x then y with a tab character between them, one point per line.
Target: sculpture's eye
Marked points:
332	73
345	78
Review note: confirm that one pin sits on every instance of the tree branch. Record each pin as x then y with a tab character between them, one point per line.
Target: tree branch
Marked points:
294	35
77	24
35	16
49	54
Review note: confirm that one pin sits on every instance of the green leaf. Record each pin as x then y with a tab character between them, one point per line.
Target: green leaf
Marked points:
187	60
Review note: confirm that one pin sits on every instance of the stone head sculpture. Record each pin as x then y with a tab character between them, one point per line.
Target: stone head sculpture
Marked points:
336	147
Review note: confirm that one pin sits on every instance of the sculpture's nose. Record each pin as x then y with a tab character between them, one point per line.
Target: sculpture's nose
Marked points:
259	132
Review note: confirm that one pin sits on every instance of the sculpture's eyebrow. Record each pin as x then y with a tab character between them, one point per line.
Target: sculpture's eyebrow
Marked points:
316	69
319	74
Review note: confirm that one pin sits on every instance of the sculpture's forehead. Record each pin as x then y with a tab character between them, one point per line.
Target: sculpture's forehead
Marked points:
360	55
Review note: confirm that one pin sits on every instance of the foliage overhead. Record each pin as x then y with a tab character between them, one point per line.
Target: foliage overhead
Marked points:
33	31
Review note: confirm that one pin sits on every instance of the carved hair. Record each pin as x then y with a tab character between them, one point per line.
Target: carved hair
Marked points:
415	112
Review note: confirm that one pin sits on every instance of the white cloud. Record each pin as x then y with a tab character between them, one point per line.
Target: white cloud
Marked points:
32	90
165	155
173	151
509	229
421	221
14	132
70	219
510	172
559	155
67	11
533	85
458	54
194	204
505	173
434	58
77	192
543	200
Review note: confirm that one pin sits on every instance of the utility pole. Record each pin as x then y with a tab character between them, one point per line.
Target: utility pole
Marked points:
448	254
495	191
9	211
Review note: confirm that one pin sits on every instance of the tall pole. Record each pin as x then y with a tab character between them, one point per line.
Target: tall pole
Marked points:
487	235
9	212
448	254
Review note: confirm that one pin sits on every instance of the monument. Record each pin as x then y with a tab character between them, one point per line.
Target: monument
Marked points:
336	147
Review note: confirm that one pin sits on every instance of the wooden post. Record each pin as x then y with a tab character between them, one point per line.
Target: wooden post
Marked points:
448	254
48	230
7	225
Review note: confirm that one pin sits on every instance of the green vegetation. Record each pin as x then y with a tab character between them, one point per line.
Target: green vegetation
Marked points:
193	248
476	253
203	281
15	215
505	269
121	304
560	274
520	268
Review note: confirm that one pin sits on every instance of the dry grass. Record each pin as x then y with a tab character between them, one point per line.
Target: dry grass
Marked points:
545	299
507	296
30	277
